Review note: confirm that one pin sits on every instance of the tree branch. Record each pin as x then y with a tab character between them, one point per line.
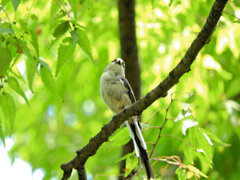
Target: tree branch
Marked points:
160	91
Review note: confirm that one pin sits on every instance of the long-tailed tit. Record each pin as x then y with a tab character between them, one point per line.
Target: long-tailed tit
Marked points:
117	94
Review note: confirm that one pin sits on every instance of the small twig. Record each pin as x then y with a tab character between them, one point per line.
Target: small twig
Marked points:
230	14
161	127
178	139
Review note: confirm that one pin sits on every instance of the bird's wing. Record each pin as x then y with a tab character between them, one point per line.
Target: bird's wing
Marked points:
128	89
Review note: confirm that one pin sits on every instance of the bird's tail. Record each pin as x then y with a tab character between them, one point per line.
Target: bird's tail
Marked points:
139	144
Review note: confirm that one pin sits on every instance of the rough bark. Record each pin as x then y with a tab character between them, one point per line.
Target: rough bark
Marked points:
160	91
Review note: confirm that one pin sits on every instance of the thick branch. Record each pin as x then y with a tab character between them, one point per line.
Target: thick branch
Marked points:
160	91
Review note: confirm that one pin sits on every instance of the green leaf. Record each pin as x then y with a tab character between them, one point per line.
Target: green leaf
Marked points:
215	139
9	109
61	29
31	70
26	50
84	43
34	42
6	28
189	153
126	156
233	88
47	77
15	4
53	11
2	133
5	59
13	83
65	52
75	37
196	171
181	173
4	2
131	164
120	138
183	114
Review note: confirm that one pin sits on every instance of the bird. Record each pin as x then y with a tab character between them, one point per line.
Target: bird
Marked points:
117	94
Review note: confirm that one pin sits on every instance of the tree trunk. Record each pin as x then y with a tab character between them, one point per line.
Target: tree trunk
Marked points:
129	53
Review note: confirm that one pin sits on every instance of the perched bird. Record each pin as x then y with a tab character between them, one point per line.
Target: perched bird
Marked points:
117	94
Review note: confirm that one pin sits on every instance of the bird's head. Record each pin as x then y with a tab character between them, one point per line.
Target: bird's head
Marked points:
117	66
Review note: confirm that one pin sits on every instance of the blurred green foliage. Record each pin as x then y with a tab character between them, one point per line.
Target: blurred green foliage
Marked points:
52	56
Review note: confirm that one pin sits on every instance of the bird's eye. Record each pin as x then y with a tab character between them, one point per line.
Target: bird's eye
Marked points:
118	62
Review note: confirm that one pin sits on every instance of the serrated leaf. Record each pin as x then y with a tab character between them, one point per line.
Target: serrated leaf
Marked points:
65	52
5	59
84	43
183	114
215	139
61	29
196	171
2	133
31	70
34	42
47	77
189	153
9	109
13	83
15	4
188	123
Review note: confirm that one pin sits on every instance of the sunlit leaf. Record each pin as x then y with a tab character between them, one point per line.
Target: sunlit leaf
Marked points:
120	138
8	107
196	171
5	59
215	139
183	114
233	87
1	131
84	43
47	77
13	83
181	173
188	123
65	52
34	42
31	70
189	153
